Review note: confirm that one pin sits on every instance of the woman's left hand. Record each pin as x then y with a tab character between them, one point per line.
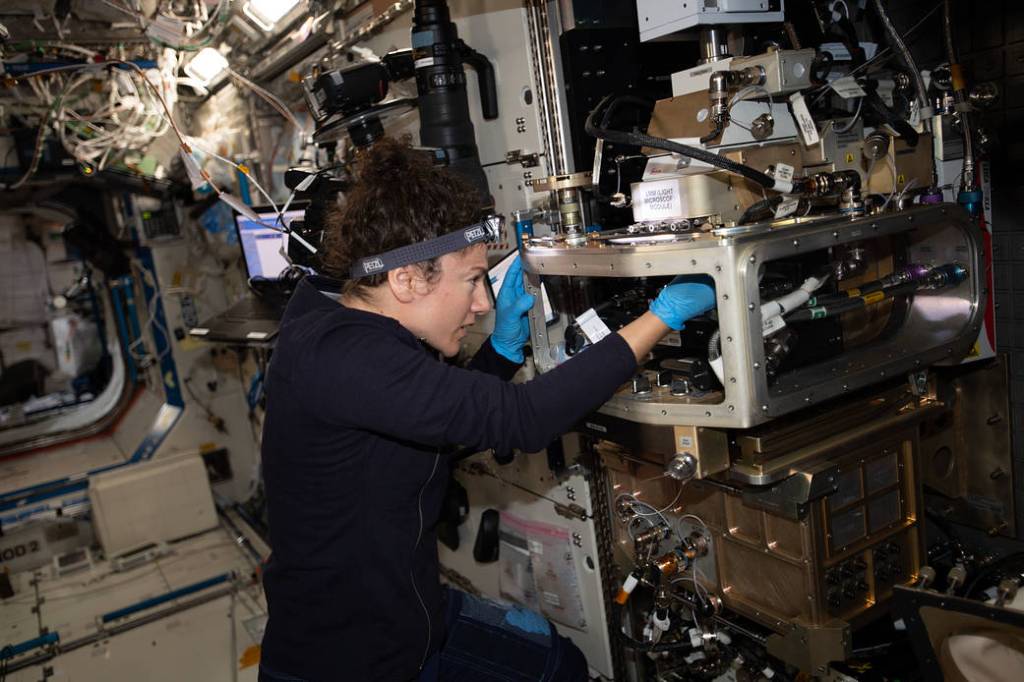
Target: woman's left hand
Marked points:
511	327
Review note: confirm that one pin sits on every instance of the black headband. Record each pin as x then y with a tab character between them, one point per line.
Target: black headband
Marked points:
487	230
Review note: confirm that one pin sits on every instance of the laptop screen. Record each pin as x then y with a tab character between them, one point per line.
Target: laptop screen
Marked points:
264	247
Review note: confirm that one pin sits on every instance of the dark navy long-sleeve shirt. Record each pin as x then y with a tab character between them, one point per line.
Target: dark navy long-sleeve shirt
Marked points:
358	412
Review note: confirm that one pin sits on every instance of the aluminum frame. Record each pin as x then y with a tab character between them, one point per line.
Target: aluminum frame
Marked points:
939	326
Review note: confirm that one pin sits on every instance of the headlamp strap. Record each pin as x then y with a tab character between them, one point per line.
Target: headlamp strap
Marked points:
487	230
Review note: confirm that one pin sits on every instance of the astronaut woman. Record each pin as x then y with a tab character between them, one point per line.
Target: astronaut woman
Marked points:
361	411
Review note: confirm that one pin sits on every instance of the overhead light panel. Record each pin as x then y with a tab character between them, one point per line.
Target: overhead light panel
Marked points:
267	13
206	65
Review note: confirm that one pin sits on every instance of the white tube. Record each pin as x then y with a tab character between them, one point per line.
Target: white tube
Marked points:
792	300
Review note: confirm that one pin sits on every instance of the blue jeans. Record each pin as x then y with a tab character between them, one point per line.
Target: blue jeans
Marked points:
490	642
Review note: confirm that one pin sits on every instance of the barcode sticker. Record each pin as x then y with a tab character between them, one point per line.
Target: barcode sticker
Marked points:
787	207
592	326
808	129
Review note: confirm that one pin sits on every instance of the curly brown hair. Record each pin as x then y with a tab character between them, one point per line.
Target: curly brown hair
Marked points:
399	197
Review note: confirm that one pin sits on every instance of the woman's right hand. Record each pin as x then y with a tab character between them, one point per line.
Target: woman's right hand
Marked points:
685	297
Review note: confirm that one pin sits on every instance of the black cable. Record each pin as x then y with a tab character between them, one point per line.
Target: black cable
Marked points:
851	42
719	128
824	60
644	140
637	645
839	306
760	210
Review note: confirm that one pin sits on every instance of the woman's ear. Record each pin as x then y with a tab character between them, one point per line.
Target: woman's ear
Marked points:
407	283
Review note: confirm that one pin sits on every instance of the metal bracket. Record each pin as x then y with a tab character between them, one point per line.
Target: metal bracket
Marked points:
525	159
811	648
918	382
790	497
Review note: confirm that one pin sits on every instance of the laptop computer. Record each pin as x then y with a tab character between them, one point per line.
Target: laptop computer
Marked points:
256	317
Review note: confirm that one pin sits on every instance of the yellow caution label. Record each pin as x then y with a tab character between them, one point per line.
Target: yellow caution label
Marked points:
250	657
901	179
874	297
849	157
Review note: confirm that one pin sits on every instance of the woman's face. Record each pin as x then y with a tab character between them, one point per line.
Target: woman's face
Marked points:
453	302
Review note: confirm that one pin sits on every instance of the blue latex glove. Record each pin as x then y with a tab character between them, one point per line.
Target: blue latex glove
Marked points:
683	298
511	328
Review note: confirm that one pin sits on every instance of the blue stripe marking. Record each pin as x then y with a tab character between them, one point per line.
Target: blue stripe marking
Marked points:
166	597
13	650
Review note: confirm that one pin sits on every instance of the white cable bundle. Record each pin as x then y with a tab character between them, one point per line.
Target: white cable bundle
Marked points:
97	129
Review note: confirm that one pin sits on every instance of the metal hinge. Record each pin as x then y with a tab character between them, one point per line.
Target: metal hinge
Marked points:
525	159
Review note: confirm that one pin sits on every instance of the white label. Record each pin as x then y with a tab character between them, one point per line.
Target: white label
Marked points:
808	129
657	200
552	598
841	54
685	442
536	547
256	336
787	207
784	172
847	87
772	325
199	331
425	61
915	113
595	427
592	326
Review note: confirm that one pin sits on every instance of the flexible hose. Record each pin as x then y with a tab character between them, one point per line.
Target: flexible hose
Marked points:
947	31
908	59
961	97
644	140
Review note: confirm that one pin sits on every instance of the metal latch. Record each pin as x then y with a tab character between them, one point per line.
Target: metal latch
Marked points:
525	159
570	511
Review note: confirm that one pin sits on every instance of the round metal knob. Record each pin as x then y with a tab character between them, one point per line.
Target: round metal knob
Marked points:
683	467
